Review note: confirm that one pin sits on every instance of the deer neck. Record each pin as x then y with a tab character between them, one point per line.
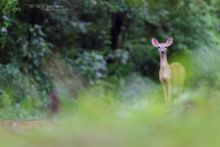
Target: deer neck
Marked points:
163	61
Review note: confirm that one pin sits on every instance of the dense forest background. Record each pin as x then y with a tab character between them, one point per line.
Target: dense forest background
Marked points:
67	45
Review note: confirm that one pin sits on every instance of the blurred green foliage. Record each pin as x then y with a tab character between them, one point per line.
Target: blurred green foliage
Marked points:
96	56
98	119
102	40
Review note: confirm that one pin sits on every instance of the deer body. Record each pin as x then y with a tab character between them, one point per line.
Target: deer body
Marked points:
171	75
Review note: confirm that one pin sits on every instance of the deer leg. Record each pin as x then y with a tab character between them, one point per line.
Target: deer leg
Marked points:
164	90
168	91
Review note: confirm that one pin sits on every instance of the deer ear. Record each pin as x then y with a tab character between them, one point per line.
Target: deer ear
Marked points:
154	42
169	41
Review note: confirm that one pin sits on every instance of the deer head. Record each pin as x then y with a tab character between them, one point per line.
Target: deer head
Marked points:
162	46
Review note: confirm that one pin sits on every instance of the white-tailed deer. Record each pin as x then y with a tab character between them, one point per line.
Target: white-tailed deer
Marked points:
171	75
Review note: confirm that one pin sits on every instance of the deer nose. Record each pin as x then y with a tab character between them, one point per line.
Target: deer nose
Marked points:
162	52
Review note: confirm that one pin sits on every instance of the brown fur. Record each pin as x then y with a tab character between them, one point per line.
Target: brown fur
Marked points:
171	75
172	79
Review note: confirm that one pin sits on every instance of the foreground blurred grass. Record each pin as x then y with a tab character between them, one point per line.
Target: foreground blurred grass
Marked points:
99	118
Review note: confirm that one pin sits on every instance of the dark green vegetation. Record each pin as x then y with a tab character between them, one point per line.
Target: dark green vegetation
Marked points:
97	57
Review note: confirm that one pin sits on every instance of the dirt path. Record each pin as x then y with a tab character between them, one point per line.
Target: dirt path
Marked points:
26	123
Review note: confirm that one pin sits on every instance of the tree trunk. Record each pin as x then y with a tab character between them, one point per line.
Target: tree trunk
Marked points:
116	29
